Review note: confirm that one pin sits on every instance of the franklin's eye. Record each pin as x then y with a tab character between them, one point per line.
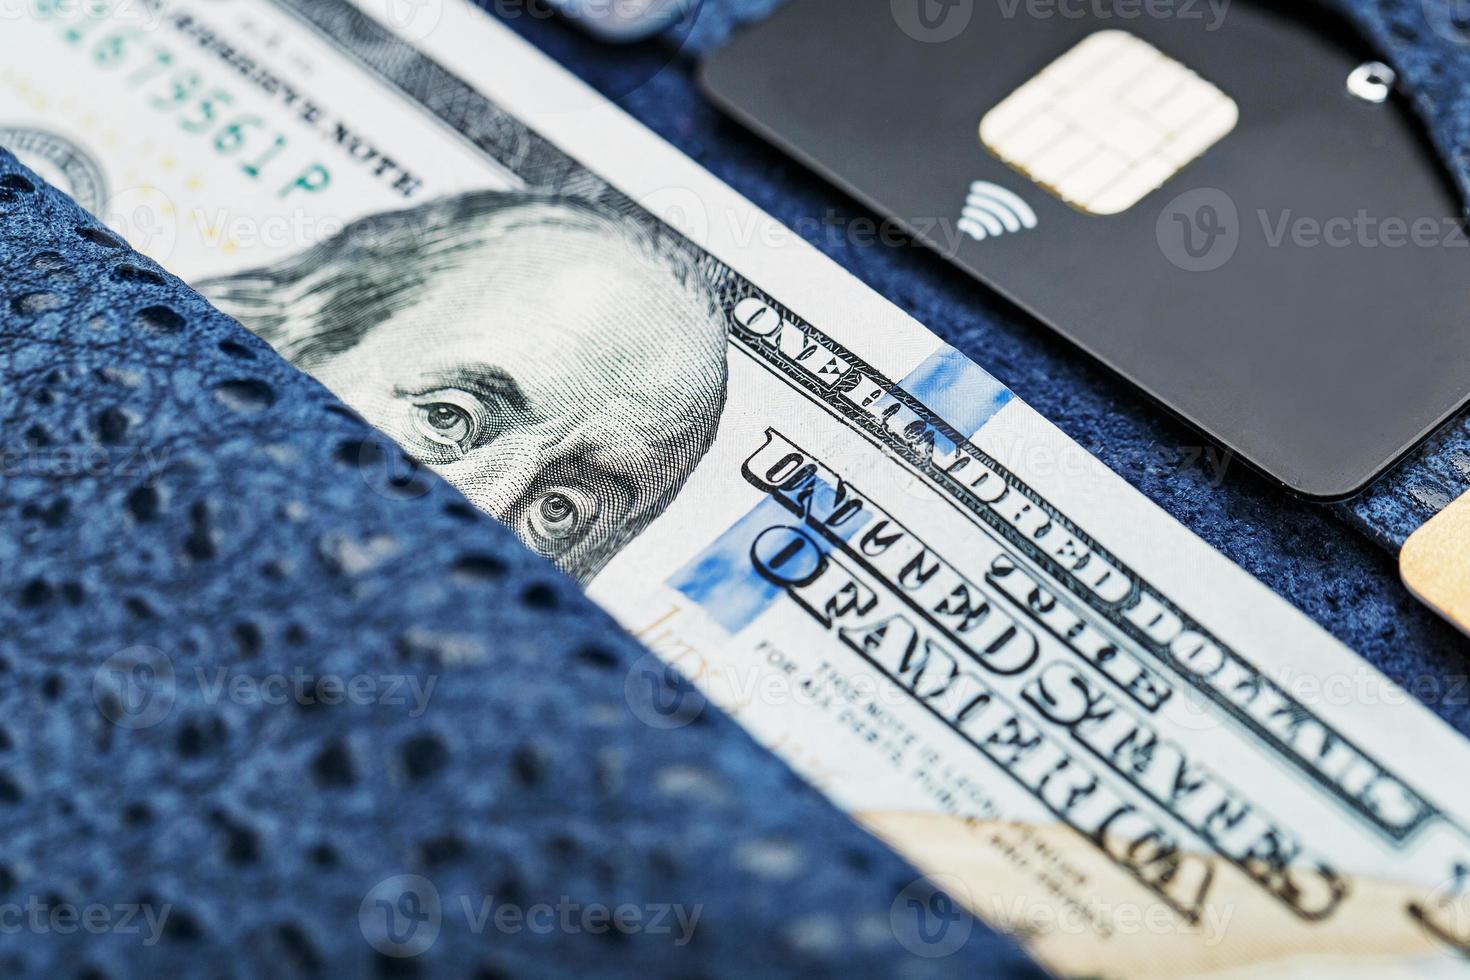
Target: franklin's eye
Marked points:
557	517
450	419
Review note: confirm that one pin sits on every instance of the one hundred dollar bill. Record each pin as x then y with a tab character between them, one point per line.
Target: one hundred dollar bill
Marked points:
1075	716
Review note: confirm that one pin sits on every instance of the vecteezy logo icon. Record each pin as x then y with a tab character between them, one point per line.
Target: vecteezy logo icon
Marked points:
933	21
992	211
927	920
386	468
135	688
415	20
659	696
401	916
1199	230
933	13
1449	18
1444	913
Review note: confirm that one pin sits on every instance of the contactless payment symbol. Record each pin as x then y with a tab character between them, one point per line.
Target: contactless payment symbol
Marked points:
991	211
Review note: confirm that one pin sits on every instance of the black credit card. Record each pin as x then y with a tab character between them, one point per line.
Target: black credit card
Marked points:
1230	211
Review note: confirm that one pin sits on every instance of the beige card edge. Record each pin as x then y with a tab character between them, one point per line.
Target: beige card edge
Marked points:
1434	563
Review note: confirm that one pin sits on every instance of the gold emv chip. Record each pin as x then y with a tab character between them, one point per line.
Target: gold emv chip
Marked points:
1108	122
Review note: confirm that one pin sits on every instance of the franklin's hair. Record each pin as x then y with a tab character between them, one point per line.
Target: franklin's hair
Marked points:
376	267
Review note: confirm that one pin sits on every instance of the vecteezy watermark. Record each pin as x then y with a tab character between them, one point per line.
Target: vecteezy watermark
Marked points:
1363	230
1201	230
926	918
1443	913
690	213
672	20
1210	464
1209	13
141	14
670	686
660	696
138	687
403	916
1039	457
1450	19
1363	686
933	21
142	463
938	21
386	468
1023	916
412	20
415	20
38	916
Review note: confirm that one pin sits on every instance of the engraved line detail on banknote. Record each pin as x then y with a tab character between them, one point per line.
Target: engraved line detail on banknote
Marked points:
913	644
975	483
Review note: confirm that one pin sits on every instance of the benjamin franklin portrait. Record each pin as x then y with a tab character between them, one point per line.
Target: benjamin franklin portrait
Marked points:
562	364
